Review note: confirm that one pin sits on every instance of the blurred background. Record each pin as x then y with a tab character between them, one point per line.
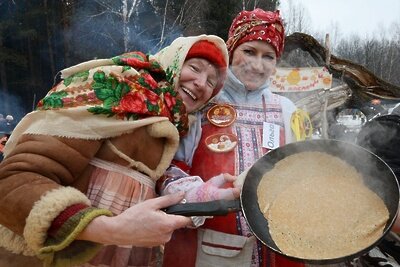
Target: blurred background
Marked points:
38	38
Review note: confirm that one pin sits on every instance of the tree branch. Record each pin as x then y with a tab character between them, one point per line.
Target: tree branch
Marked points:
362	82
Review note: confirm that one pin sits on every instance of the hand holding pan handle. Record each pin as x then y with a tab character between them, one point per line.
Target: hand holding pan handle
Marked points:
210	208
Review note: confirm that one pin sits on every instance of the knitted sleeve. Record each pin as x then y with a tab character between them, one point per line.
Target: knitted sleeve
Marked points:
61	248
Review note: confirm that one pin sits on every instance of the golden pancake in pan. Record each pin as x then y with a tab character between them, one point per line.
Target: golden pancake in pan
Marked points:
318	207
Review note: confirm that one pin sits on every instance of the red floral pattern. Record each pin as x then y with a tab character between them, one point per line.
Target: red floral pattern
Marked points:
123	96
169	100
132	102
150	81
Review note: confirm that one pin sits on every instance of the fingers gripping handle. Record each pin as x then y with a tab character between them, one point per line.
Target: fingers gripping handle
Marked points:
210	208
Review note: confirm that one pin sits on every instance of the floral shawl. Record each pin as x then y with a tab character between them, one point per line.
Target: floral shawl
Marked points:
108	97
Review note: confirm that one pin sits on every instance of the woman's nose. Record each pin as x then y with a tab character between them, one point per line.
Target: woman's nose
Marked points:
257	64
201	81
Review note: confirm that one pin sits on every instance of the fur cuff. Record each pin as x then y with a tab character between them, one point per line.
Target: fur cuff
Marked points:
46	210
13	242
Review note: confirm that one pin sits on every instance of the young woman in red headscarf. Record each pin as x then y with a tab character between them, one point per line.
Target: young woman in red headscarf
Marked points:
233	126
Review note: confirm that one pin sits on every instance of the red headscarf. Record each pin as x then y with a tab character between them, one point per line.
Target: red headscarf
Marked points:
257	25
209	51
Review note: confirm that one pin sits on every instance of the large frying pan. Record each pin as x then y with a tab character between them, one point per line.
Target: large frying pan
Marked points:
377	175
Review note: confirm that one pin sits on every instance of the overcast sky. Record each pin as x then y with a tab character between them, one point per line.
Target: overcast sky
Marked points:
353	16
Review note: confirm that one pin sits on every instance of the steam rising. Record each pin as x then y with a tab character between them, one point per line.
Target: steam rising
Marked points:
113	31
11	105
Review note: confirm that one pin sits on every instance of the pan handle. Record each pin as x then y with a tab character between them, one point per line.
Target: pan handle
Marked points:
210	208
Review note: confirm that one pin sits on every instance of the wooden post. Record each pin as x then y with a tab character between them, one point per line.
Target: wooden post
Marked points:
324	119
328	50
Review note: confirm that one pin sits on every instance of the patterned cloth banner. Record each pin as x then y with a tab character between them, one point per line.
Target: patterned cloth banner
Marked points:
301	79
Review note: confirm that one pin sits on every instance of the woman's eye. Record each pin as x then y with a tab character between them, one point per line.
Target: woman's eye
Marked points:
194	68
248	52
211	83
271	57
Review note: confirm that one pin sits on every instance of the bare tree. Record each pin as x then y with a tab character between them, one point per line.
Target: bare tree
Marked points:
297	18
191	17
163	24
185	18
3	74
124	12
67	10
379	54
49	40
263	4
335	34
126	15
393	55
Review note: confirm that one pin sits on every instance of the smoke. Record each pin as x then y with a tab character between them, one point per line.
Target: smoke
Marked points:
97	29
101	29
11	105
375	173
382	136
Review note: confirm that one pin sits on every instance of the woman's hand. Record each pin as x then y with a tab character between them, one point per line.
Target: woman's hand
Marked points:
142	225
240	179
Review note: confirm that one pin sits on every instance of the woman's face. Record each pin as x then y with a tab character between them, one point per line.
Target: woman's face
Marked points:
197	82
253	63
